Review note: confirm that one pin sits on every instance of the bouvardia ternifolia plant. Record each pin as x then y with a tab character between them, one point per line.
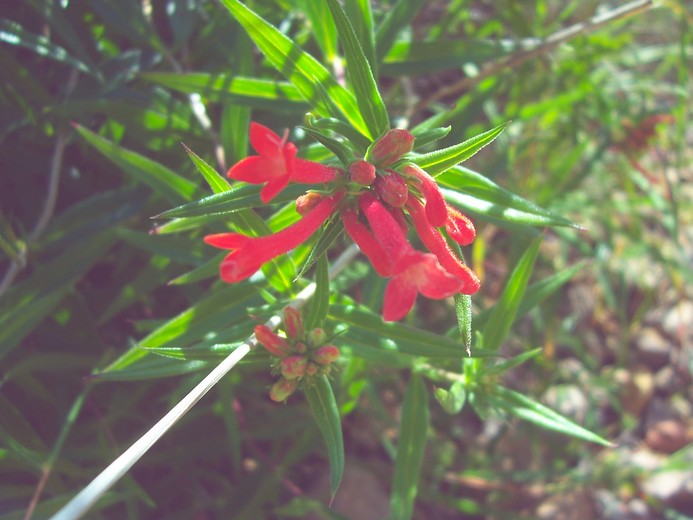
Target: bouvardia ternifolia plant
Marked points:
404	207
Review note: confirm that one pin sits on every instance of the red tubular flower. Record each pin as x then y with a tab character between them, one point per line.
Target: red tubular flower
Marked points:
369	246
277	164
249	253
436	207
437	245
412	271
386	229
417	272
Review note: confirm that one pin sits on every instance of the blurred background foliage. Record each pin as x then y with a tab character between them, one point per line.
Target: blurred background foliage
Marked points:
600	135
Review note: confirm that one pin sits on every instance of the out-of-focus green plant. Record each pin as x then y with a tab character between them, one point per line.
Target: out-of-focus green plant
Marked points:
94	290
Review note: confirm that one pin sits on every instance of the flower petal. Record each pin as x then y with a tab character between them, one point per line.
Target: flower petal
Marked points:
272	188
399	298
265	141
227	240
239	265
257	169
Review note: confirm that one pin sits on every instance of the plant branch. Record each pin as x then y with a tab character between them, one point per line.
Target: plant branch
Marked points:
86	498
547	45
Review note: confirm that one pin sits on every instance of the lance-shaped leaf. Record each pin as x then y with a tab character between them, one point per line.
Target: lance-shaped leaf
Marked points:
410	449
326	414
313	80
215	181
505	310
360	75
164	181
266	94
240	197
319	304
14	34
477	194
530	410
439	161
397	18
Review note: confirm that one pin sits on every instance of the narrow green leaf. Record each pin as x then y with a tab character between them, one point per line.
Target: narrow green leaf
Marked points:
178	225
313	81
209	269
505	310
260	93
212	313
317	310
410	449
452	400
504	366
439	161
215	181
240	196
329	235
424	57
361	17
368	327
152	367
354	138
463	309
54	14
178	249
326	414
338	148
530	410
475	193
27	303
14	34
361	77
163	180
426	137
322	27
235	118
399	17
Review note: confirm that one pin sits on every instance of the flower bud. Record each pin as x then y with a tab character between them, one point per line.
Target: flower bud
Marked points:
391	147
306	202
293	323
311	369
326	354
459	227
301	348
274	344
293	367
392	189
362	172
316	337
283	389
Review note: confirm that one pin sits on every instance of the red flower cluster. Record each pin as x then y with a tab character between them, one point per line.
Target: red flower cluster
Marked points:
376	204
299	357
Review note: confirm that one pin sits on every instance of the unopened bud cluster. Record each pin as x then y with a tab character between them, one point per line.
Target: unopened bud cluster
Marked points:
299	357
